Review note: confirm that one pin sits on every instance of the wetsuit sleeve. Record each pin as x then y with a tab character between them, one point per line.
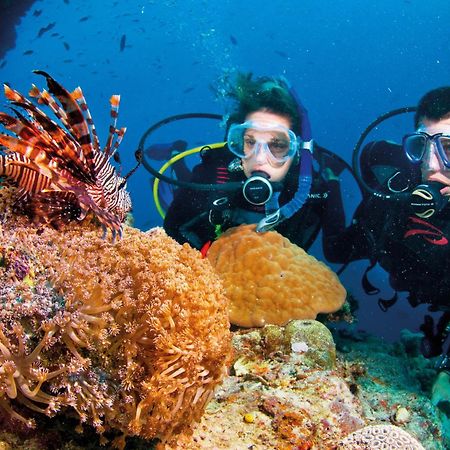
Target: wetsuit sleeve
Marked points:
342	244
187	217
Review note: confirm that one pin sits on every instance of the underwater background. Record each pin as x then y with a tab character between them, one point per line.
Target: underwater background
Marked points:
349	62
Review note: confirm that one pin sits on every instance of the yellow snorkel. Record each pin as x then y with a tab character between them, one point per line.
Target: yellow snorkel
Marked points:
173	160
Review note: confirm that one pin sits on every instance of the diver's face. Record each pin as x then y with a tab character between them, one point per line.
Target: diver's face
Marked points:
260	161
432	167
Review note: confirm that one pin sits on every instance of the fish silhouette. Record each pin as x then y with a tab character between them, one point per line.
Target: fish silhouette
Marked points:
123	41
45	29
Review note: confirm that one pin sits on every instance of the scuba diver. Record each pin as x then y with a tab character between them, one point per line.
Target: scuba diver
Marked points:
403	224
270	157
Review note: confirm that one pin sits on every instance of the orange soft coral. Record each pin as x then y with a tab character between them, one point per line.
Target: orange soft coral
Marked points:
134	336
270	280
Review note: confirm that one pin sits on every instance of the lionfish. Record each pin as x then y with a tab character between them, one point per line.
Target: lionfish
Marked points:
62	173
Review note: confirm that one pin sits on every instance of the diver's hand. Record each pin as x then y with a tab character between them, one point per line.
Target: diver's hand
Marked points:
445	191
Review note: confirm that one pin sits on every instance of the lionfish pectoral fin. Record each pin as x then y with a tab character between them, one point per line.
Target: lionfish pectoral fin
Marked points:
56	208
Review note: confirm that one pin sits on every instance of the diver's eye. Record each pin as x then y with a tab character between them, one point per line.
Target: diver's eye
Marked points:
249	142
445	142
279	147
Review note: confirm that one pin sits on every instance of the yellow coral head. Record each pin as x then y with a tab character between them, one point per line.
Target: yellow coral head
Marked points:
270	280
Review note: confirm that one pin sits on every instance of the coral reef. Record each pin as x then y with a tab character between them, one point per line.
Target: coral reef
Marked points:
278	397
132	336
283	394
271	281
376	437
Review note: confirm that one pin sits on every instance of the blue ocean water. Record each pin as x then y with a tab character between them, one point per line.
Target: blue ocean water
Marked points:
349	62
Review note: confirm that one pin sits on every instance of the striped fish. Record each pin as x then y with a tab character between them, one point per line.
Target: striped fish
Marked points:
60	168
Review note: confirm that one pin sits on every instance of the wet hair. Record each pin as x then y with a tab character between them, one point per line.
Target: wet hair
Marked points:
434	105
264	93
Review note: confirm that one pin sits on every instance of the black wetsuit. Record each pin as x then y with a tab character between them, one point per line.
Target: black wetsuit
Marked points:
192	216
414	251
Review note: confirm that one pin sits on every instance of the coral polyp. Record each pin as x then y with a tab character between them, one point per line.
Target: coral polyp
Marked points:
131	337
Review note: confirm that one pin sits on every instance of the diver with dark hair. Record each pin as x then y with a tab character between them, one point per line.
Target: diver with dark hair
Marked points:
268	150
403	223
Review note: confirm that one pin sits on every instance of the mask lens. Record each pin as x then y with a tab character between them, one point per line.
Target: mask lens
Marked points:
414	146
246	139
444	142
235	140
280	147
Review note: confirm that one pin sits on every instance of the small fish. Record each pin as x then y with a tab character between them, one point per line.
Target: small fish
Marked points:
282	54
68	61
84	18
45	29
123	41
189	89
66	2
37	12
233	40
3	64
54	34
28	52
66	45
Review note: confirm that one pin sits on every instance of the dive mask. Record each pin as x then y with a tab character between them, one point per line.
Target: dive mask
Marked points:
415	146
276	141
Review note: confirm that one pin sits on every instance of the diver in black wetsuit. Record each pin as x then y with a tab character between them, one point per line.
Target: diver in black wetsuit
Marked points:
405	226
270	152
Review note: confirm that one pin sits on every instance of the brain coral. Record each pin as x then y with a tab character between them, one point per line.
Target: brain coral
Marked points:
270	280
376	437
132	336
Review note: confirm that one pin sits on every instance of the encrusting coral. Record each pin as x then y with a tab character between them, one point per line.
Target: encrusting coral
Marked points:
269	280
132	336
374	437
283	394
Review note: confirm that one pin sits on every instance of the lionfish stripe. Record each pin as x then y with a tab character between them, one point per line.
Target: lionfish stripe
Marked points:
40	162
19	100
58	141
43	97
21	128
76	122
17	167
115	102
37	137
56	208
77	94
119	133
